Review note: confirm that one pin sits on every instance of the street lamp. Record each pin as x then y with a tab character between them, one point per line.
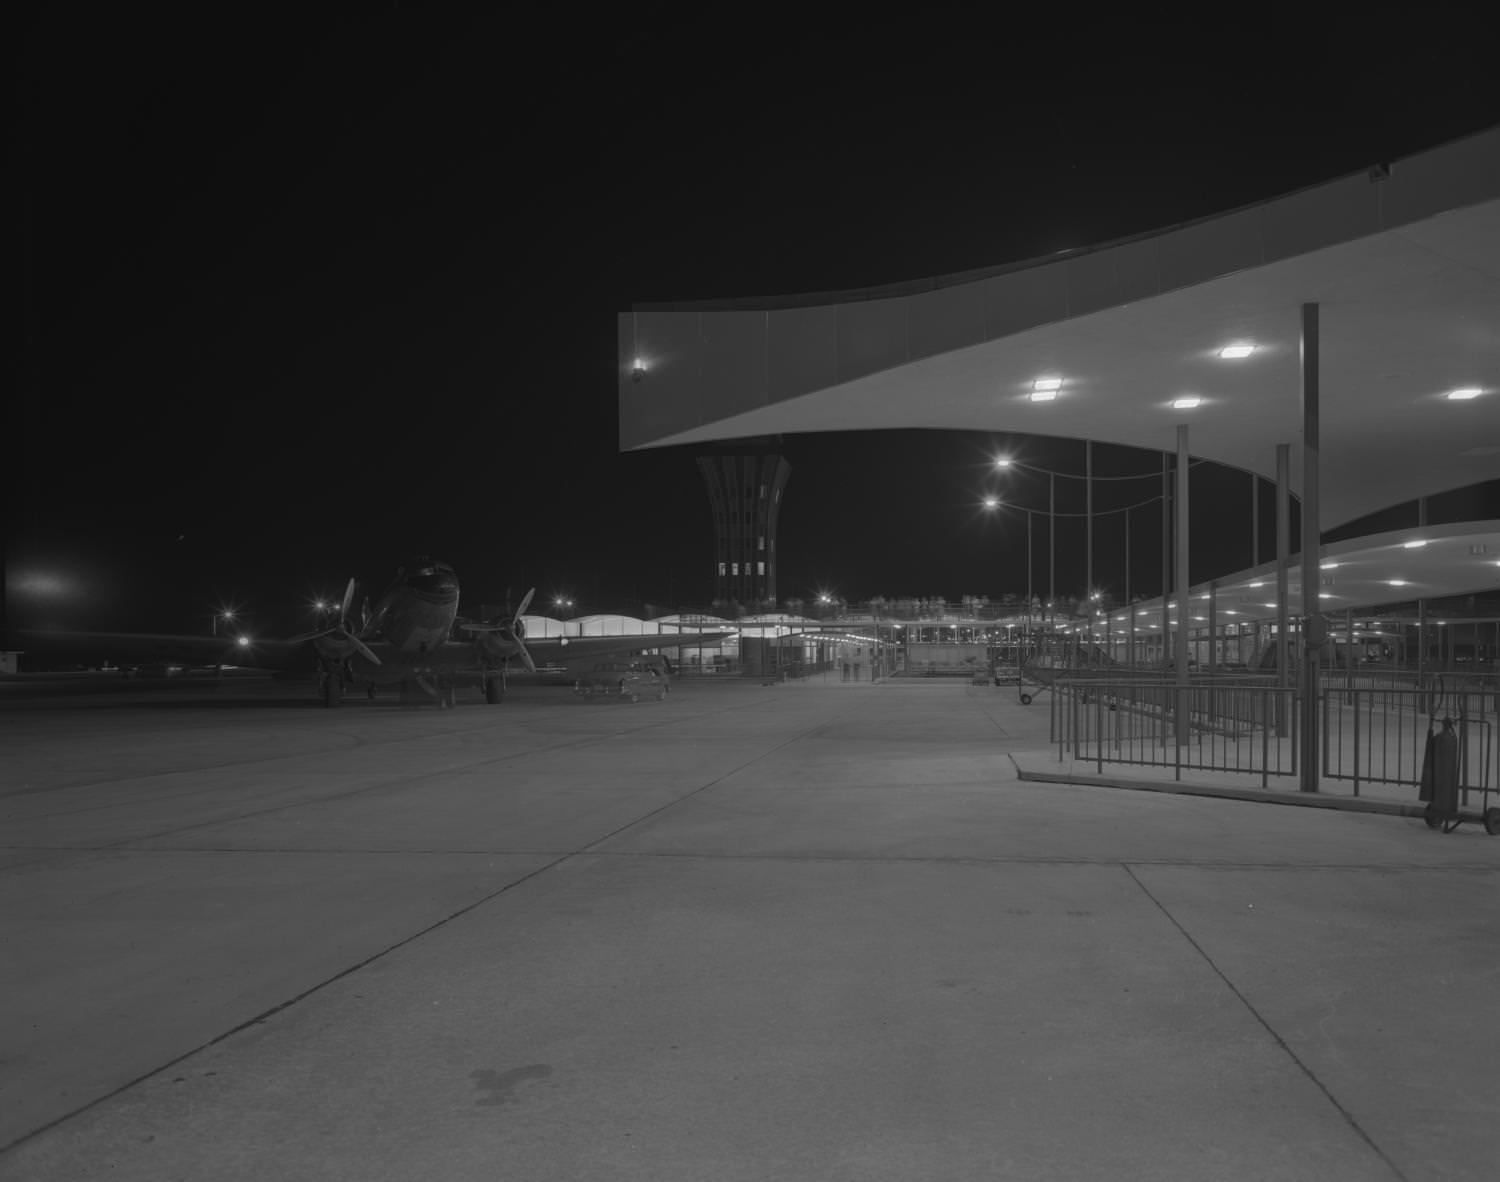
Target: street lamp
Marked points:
225	614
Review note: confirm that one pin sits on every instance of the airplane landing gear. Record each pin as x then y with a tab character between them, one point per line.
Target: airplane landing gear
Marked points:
332	687
370	691
494	688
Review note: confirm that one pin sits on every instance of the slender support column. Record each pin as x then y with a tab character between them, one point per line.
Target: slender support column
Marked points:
1421	606
1051	540
1088	512
1184	611
1166	554
1313	624
1349	651
1254	521
1213	629
1421	642
1028	562
1283	561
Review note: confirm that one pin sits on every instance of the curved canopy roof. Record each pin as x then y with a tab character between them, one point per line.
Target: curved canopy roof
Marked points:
1404	262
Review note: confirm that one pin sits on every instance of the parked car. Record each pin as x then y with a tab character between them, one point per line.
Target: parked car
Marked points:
630	680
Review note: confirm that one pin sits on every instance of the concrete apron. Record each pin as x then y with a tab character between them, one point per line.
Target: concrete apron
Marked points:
749	932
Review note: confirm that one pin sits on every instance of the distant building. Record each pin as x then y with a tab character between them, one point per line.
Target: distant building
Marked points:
746	495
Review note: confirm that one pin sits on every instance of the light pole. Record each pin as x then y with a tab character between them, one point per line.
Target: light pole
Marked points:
226	614
1005	463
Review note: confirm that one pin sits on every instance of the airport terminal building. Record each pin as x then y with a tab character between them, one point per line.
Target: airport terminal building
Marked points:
1342	341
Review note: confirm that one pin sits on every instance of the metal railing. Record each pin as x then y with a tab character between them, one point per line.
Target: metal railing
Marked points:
1371	731
1378	734
1239	725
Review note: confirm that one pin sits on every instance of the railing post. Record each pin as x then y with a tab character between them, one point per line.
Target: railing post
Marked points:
1354	697
1265	738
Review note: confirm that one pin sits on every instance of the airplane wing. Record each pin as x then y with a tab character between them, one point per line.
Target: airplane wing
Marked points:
144	648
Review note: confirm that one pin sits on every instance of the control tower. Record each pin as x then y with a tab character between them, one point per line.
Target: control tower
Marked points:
746	495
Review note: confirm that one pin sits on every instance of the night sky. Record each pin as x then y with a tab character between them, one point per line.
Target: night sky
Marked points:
303	297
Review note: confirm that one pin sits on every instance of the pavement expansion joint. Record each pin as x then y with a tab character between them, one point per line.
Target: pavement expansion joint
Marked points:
1311	1075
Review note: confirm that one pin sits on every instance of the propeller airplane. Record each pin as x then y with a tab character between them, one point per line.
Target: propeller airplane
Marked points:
406	641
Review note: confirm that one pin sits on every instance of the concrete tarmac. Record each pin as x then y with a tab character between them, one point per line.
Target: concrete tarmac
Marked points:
803	931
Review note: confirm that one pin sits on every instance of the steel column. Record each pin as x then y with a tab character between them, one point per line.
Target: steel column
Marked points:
1183	609
1312	551
1283	560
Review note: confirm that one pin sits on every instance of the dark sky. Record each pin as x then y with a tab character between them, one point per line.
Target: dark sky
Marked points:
303	297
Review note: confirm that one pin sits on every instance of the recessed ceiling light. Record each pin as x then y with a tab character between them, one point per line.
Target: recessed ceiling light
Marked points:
1185	403
1464	394
1235	352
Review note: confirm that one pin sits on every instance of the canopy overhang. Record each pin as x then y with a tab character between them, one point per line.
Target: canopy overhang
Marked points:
1404	262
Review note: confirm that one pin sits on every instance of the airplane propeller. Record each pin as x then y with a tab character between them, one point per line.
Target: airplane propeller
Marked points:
512	633
518	631
338	642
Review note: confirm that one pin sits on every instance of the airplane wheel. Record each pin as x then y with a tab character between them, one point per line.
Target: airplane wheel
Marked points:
370	691
1026	699
333	691
1434	821
494	691
1492	822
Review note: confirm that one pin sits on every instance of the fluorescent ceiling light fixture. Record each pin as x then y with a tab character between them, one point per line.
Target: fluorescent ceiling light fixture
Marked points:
1185	403
1043	395
1046	384
1413	545
1464	394
1396	582
1268	605
1330	566
1259	584
1235	352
